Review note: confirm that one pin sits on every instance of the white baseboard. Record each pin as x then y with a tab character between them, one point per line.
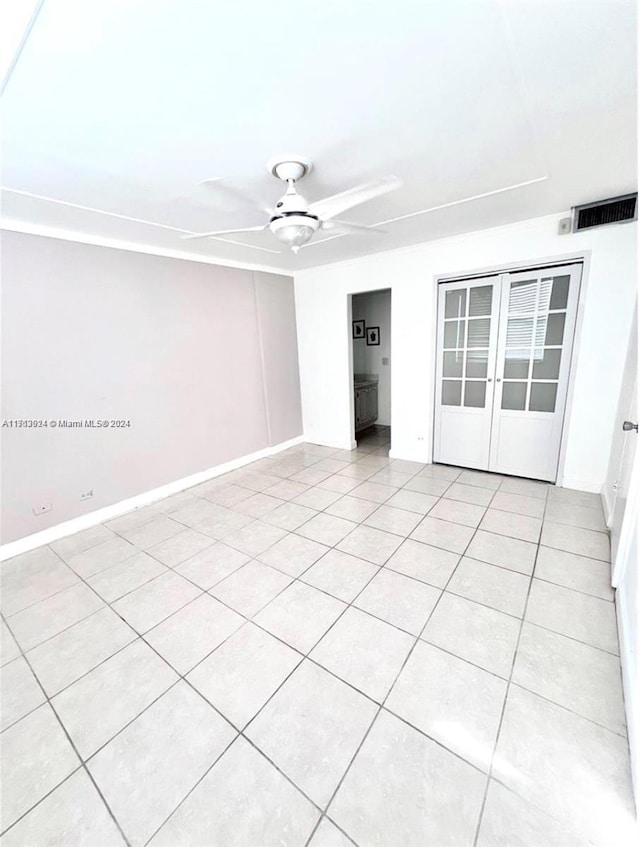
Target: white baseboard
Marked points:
580	485
61	530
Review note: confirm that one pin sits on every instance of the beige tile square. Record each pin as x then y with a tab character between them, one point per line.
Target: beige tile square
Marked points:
512	524
450	700
151	603
254	538
424	562
500	550
398	521
458	512
352	508
241	675
193	632
212	565
508	819
289	516
371	544
404	789
580	678
584	542
364	652
413	501
20	693
427	485
326	529
49	617
485	637
470	494
300	615
340	484
317	498
481	479
374	492
81	541
120	579
223	810
157	530
149	768
566	766
399	600
311	743
526	487
9	649
72	815
250	588
68	656
577	572
490	585
339	574
128	682
519	503
36	756
101	557
444	534
180	547
225	523
258	505
293	554
585	517
571	613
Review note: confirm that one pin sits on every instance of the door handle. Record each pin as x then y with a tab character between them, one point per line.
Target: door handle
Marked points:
489	380
627	426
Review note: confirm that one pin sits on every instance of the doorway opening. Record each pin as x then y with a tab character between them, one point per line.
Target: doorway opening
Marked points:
371	355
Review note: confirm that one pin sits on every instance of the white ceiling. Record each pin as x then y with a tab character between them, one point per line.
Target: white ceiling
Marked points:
121	108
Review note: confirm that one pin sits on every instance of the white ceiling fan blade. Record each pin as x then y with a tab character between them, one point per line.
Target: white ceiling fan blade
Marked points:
345	226
224	232
329	207
219	186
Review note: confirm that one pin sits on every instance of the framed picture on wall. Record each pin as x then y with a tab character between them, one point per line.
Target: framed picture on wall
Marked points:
358	329
373	336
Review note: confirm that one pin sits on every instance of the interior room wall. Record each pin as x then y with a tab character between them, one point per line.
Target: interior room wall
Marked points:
375	309
201	359
609	289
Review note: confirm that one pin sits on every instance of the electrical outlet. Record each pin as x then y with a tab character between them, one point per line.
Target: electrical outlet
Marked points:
41	509
87	496
385	360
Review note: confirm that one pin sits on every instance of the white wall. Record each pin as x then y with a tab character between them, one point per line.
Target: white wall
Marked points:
604	319
202	359
375	309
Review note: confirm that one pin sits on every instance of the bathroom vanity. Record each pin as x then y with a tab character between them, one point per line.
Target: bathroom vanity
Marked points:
365	396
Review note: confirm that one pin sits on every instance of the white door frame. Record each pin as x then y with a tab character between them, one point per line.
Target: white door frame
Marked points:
583	257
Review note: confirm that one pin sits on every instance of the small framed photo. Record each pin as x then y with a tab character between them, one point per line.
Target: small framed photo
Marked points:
373	336
358	329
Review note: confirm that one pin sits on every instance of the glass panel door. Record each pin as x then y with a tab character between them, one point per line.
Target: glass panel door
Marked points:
537	319
467	334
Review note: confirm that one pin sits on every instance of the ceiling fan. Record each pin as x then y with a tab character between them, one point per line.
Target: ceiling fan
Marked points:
293	221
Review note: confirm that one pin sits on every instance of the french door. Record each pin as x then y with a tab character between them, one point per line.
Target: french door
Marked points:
503	356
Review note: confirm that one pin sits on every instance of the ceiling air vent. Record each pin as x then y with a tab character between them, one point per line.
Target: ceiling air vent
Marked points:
616	210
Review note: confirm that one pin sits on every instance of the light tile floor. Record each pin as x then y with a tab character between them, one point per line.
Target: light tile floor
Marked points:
324	648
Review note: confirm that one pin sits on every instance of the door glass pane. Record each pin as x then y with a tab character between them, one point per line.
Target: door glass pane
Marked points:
454	333
474	394
547	365
555	329
514	395
516	364
451	392
543	397
478	333
522	296
455	303
452	364
520	332
477	361
480	300
560	292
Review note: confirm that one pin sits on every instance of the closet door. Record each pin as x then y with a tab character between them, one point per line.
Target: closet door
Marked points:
466	350
537	322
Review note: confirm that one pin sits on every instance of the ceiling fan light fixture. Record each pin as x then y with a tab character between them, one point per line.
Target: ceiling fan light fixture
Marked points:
294	230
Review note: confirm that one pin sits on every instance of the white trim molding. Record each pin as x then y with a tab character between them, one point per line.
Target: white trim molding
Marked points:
61	530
